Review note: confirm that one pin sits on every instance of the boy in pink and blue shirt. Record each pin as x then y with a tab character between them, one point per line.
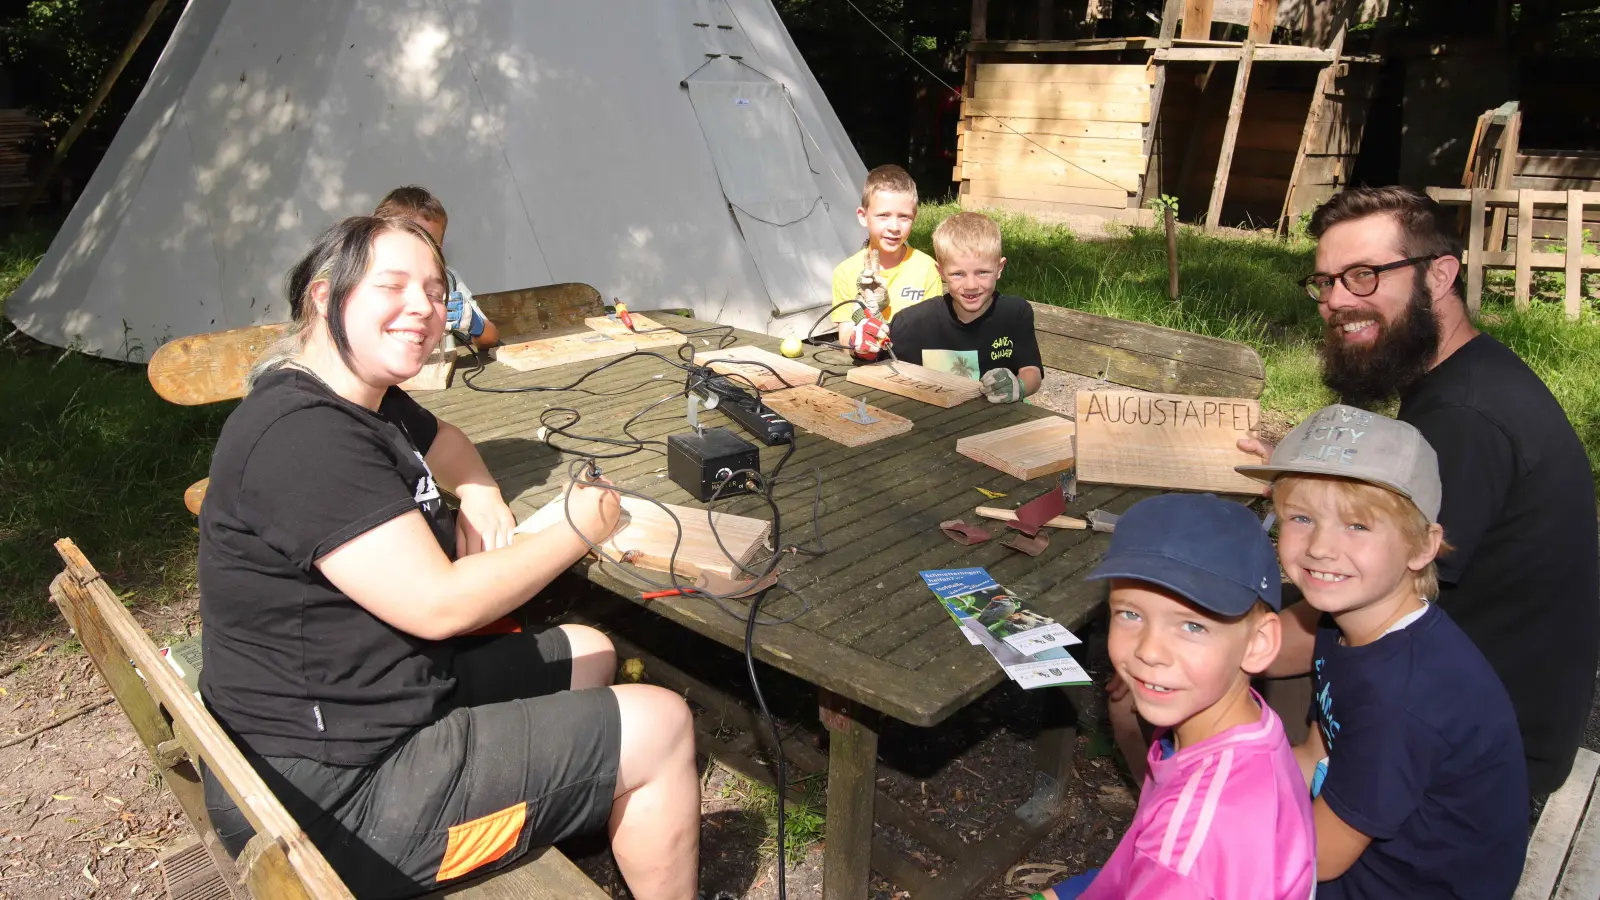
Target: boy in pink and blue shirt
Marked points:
1195	595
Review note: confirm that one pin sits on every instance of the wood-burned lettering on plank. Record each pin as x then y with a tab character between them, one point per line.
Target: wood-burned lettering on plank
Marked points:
1165	440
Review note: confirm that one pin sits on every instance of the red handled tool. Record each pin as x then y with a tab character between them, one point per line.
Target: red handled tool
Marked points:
622	313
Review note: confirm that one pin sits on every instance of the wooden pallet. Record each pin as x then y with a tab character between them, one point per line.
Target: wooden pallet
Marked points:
917	382
605	337
1033	449
647	536
822	411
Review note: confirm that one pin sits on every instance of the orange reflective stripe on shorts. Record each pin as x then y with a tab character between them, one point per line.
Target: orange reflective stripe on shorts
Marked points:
482	841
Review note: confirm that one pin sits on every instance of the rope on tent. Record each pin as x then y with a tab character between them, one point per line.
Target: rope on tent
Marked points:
973	102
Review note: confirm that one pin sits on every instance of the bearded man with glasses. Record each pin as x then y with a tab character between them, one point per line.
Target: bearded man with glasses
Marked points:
1523	577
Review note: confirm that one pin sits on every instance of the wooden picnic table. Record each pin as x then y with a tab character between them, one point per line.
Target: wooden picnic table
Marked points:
872	638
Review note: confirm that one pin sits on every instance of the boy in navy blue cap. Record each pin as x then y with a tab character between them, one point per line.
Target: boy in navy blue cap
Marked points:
1195	594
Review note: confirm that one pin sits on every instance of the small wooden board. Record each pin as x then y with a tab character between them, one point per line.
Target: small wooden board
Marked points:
793	371
435	374
604	338
1027	451
821	411
647	530
917	382
1165	440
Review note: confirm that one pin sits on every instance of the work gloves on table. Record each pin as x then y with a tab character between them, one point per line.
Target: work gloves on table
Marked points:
1001	386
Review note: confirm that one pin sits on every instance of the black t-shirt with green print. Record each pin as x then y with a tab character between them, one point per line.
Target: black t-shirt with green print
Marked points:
929	334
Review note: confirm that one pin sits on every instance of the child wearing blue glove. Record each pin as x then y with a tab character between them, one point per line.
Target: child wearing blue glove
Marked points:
462	315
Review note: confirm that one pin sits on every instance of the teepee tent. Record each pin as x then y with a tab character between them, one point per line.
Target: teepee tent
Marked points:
672	153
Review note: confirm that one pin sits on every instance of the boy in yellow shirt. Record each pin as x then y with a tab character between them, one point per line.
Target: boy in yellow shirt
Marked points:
909	276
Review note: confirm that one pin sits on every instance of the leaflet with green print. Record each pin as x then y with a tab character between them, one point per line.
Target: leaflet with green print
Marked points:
1026	644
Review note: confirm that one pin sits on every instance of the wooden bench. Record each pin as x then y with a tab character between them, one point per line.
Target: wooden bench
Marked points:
1147	357
1564	853
175	727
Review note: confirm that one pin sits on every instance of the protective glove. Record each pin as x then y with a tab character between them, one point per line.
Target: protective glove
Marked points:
867	339
461	313
1001	386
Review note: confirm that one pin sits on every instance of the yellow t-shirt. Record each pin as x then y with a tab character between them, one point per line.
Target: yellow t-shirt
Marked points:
909	283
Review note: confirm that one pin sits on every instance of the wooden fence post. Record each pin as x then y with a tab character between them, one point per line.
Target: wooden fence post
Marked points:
1524	284
1475	255
1197	20
1172	251
1574	292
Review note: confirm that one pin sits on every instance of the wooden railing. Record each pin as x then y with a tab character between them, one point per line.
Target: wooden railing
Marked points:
1491	254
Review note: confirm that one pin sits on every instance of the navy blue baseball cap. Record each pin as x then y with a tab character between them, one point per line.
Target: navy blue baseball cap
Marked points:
1212	552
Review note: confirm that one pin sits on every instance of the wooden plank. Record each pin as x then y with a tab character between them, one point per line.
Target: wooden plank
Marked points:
647	536
1571	165
1314	122
545	311
1552	183
1165	441
1230	134
1047	211
1263	17
980	20
263	811
1547	849
1075	128
1278	53
210	368
1574	248
1544	262
1580	878
1044	168
1197	20
1010	515
1022	188
852	786
821	412
789	372
1027	451
1151	340
1044	73
1033	47
1524	281
435	373
1505	163
1463	196
604	338
930	386
1109	151
1064	109
541	874
1058	92
1474	259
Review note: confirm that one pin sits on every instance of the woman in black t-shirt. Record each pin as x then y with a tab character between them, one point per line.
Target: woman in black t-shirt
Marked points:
344	605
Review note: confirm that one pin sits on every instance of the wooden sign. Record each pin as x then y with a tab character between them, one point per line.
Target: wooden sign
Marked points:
792	371
647	534
604	338
1033	449
1165	440
917	382
822	412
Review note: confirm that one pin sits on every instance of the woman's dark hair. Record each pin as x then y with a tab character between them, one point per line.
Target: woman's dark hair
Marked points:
341	256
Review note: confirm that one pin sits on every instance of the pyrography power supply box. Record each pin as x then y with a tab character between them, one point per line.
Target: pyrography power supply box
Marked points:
698	462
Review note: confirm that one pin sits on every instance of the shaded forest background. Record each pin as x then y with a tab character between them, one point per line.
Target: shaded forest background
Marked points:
884	65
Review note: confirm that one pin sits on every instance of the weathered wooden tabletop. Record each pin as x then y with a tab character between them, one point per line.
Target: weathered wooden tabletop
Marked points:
873	632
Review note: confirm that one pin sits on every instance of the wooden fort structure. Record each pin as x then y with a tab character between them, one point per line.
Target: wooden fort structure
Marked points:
1241	131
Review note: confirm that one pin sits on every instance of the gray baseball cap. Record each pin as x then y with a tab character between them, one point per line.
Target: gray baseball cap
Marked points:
1346	442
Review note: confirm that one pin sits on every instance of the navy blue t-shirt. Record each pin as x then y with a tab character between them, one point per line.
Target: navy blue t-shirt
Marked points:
1424	757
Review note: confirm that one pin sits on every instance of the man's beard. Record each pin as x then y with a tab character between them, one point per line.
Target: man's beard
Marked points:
1369	375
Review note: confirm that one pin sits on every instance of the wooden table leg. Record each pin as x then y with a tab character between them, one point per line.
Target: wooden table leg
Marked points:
1052	758
852	782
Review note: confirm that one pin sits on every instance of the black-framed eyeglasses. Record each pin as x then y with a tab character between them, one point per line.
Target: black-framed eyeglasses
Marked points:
1361	281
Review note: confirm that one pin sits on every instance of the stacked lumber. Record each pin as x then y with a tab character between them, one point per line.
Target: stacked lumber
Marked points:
1062	135
18	133
1031	450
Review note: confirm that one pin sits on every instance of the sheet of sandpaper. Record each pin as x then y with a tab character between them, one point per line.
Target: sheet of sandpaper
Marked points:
1033	546
1032	515
962	533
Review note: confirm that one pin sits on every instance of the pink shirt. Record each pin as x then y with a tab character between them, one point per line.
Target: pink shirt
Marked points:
1226	819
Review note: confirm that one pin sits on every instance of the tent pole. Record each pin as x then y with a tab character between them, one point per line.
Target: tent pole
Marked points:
71	137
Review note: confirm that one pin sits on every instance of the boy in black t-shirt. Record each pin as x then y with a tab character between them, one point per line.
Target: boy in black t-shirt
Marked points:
1414	759
972	331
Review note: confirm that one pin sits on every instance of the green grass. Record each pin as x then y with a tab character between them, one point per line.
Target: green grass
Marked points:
88	451
804	823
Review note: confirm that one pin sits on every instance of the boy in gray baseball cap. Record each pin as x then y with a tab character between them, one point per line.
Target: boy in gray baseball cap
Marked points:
1415	759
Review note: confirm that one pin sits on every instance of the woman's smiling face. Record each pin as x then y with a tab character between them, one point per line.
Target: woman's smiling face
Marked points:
394	317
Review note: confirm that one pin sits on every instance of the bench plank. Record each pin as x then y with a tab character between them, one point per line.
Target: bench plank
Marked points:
541	874
1147	357
1547	850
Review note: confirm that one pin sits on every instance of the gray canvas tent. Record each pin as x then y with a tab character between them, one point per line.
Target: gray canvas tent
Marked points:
672	153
